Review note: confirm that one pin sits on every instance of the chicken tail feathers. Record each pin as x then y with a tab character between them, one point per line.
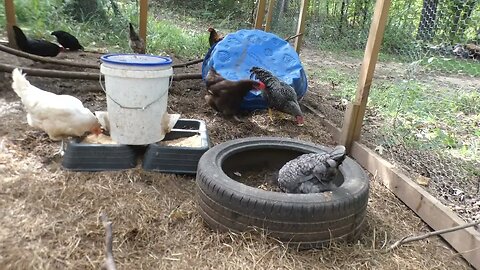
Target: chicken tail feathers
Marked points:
133	34
20	84
20	38
261	73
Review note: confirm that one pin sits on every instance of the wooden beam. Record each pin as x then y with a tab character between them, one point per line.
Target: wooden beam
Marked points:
142	31
94	76
11	21
260	14
301	25
354	118
428	208
268	23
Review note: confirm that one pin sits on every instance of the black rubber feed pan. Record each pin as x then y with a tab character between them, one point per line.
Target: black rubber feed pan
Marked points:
162	157
98	157
230	200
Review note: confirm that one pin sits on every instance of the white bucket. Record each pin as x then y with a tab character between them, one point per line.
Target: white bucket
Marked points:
137	92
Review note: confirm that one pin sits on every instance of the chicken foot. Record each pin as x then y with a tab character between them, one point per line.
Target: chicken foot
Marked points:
238	119
61	151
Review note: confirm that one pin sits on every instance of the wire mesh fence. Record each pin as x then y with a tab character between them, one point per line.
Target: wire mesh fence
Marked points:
424	105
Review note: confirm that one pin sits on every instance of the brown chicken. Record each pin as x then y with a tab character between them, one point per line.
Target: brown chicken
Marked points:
214	36
136	43
226	96
474	50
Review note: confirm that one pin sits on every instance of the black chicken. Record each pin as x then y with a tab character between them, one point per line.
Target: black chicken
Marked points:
35	46
136	42
279	95
67	40
226	96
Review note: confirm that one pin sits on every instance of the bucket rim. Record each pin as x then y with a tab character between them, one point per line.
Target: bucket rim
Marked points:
151	60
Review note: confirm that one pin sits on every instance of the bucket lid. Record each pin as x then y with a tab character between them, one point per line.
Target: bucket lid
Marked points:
136	59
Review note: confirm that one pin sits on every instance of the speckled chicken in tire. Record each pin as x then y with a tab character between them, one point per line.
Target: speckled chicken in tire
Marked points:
303	220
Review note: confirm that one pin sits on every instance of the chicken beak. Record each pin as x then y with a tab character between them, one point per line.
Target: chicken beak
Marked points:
97	129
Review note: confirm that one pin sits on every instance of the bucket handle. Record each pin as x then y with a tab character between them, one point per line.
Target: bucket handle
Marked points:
134	108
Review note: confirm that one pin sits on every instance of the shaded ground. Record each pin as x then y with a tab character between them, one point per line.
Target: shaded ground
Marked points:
49	216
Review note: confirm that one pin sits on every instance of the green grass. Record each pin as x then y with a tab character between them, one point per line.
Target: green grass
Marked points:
451	65
419	114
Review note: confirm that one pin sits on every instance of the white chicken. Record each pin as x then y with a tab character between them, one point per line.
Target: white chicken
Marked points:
60	116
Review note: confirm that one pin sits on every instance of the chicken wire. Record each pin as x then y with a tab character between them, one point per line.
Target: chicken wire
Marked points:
285	14
433	129
424	105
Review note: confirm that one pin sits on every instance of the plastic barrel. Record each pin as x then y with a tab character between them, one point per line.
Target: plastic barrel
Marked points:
239	51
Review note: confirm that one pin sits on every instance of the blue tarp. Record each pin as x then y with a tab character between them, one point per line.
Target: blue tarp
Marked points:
238	52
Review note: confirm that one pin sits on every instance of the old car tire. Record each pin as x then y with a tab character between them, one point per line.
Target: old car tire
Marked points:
305	220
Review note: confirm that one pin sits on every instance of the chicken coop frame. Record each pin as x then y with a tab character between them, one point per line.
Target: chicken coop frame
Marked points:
466	241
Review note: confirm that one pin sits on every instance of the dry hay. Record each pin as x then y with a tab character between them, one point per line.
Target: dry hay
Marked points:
51	221
50	217
191	141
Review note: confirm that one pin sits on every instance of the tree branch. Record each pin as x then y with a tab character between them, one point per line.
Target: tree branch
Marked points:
46	59
406	239
193	62
294	36
109	261
79	74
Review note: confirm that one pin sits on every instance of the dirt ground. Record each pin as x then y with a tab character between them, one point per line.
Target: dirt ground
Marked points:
49	216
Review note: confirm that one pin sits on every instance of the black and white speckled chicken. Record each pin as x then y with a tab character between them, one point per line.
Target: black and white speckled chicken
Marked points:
311	173
279	95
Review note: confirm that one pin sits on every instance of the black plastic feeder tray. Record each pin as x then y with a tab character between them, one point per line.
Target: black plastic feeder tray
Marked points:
98	157
178	159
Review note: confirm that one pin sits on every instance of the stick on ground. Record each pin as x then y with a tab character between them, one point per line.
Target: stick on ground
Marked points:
109	261
406	239
46	59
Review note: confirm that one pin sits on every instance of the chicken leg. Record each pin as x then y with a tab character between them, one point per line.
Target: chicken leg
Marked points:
270	114
61	151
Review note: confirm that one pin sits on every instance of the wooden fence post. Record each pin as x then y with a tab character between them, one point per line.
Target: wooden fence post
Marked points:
11	21
268	23
353	118
260	14
142	31
301	25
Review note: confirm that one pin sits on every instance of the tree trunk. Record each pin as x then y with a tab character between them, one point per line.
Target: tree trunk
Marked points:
343	15
282	8
426	28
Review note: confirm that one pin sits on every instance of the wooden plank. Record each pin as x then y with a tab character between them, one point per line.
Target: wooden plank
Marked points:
11	21
349	123
301	25
428	208
268	23
142	31
370	57
260	14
